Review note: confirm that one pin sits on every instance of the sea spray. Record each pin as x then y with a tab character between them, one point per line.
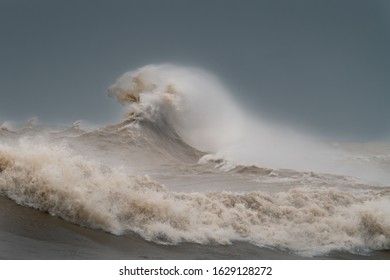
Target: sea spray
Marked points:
201	111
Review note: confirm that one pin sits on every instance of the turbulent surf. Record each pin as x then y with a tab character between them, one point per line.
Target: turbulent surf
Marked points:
186	164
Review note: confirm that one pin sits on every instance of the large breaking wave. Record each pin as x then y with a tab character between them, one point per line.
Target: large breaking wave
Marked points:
193	104
187	165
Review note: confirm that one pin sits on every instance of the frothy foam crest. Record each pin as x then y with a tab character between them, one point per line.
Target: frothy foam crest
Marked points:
192	101
200	110
308	221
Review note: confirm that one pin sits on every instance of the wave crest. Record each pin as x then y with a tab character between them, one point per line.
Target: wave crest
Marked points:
308	221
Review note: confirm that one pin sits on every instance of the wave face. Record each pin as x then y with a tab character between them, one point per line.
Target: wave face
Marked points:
194	105
187	165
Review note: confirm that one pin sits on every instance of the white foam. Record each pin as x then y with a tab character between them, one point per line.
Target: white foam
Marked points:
306	220
205	116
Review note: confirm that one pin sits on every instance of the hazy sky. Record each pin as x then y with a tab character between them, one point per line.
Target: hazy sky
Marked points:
324	65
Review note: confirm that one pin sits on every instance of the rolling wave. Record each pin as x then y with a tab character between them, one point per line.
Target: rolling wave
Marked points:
306	220
154	173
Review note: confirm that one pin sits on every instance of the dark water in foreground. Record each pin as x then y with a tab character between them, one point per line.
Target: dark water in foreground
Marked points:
30	234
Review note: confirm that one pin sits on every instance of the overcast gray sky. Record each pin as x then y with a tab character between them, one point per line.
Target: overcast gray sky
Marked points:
324	65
